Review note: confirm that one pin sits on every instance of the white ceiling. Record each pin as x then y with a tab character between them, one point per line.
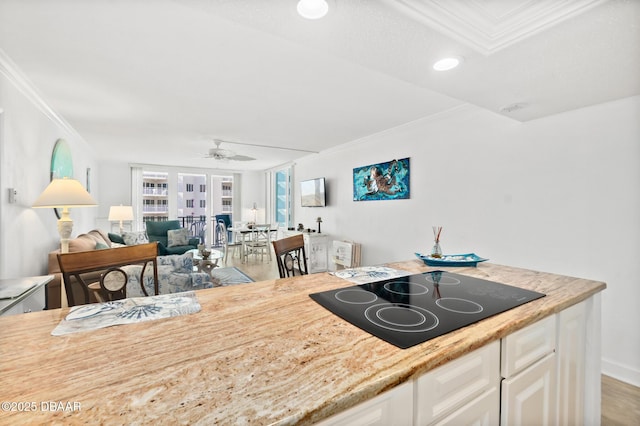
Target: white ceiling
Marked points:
155	81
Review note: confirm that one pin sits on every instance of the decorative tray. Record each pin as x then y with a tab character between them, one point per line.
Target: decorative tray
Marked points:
468	259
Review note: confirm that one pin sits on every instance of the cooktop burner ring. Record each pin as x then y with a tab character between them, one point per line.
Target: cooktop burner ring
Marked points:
475	308
442	280
356	297
427	320
422	289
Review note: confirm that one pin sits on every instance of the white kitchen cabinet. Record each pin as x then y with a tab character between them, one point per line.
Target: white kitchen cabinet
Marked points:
30	300
528	365
482	411
529	397
526	346
394	407
550	375
316	246
571	364
451	389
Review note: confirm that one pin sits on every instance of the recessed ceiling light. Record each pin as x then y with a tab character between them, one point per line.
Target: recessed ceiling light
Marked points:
313	9
446	64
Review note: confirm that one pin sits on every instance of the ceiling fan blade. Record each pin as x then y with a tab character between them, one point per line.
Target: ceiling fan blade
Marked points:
241	158
266	146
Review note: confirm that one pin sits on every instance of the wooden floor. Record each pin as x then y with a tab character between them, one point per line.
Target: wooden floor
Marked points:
257	269
620	401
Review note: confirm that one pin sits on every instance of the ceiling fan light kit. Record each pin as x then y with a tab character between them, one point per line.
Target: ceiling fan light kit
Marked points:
312	9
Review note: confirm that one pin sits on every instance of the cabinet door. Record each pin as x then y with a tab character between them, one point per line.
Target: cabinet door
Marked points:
34	302
394	407
529	398
317	251
571	360
482	411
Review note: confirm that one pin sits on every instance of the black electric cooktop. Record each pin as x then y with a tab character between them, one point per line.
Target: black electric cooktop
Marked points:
409	310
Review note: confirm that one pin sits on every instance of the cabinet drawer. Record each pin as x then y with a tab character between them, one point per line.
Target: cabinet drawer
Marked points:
449	387
394	407
524	347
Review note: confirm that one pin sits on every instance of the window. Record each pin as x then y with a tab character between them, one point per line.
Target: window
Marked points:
282	197
175	194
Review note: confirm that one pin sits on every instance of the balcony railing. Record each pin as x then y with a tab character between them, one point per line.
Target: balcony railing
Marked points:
155	191
155	209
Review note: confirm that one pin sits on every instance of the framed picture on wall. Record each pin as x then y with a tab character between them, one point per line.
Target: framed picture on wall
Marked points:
382	181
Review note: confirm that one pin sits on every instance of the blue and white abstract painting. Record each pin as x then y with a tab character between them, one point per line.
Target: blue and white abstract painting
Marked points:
382	181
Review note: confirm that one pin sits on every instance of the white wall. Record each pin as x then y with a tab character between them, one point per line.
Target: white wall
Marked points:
559	194
27	135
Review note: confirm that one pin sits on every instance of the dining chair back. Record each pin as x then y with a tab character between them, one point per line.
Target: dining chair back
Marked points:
291	256
259	242
111	285
198	229
223	240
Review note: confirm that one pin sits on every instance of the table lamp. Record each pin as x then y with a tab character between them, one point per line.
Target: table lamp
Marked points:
64	193
120	213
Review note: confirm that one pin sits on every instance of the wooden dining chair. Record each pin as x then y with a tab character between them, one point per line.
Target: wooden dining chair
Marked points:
291	256
112	284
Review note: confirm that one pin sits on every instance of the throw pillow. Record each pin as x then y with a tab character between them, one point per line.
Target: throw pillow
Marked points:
178	237
178	262
135	238
101	246
115	238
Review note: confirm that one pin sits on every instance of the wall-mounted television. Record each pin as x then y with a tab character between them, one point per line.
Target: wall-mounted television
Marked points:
312	193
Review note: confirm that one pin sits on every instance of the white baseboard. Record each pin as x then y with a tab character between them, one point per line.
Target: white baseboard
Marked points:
621	372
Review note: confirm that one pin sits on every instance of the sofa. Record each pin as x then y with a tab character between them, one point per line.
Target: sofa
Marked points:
175	273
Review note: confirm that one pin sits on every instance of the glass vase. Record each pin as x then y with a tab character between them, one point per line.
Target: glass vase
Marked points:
436	250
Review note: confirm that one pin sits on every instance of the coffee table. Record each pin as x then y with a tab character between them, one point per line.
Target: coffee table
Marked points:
206	265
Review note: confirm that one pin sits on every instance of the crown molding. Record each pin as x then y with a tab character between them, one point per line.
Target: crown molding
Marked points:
11	71
488	26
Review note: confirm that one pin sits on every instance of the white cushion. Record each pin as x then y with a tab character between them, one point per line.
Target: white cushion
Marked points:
135	238
177	237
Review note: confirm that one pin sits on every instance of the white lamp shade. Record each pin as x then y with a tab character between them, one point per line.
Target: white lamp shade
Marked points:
64	192
117	213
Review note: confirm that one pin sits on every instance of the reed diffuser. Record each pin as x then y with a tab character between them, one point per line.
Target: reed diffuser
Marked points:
436	250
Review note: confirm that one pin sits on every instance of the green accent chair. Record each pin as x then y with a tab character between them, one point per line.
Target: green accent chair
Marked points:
157	231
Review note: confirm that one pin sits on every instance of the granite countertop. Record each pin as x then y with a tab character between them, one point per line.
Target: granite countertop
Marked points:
259	353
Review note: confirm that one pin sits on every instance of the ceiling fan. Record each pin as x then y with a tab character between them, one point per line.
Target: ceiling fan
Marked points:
225	154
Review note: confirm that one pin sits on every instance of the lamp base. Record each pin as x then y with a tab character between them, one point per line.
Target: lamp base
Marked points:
65	226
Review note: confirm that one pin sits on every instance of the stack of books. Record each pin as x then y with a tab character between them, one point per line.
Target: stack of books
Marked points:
346	254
